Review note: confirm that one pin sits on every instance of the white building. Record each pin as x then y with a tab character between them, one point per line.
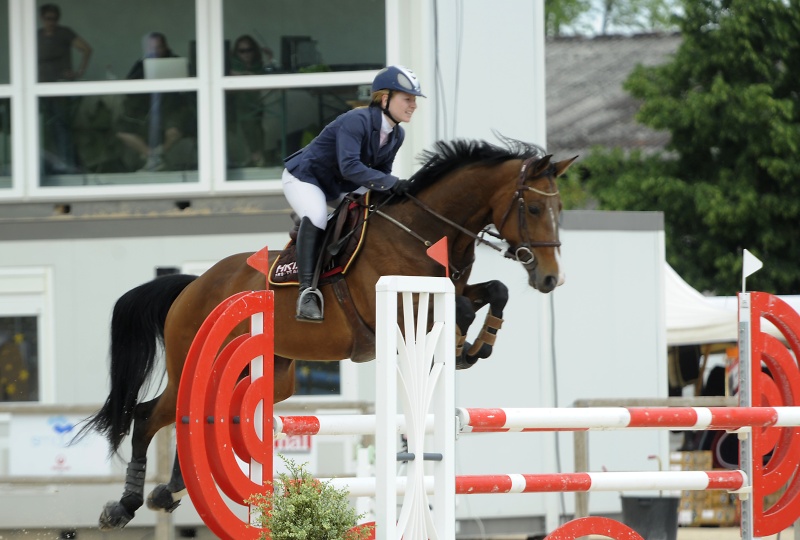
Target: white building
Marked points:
80	224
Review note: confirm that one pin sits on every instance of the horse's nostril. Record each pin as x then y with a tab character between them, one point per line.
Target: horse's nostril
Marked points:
550	282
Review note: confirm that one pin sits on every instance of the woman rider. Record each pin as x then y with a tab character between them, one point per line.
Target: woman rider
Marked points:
354	151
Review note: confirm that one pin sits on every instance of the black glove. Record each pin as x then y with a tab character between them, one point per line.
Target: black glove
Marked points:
400	187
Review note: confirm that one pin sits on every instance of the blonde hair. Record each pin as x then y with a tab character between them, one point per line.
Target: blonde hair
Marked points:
377	97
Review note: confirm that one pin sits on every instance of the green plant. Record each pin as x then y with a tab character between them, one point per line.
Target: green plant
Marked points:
303	508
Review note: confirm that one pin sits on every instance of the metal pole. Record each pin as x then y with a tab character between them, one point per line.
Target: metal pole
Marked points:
581	451
745	400
165	529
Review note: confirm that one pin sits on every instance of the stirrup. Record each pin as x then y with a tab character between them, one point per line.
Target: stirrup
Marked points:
320	304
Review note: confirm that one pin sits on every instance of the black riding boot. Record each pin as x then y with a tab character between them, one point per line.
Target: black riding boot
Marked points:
308	245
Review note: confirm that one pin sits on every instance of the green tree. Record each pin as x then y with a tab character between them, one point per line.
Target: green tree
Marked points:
730	178
561	14
577	16
641	15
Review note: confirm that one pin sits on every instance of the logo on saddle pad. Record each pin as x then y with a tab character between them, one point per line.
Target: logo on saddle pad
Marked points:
346	226
282	272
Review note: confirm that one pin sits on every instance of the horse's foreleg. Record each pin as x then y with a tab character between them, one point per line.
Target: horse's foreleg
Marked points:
495	294
117	514
465	316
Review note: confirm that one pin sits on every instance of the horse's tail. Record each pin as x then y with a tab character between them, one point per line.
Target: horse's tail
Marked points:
137	331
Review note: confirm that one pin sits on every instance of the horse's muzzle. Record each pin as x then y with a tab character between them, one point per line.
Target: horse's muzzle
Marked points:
546	284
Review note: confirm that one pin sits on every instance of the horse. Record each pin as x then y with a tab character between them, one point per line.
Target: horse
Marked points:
464	188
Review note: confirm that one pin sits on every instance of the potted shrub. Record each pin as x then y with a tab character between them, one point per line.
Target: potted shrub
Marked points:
303	508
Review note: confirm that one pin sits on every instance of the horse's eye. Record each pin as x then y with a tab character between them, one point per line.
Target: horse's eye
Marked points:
535	210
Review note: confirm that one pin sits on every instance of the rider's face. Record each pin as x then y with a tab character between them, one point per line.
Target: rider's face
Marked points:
402	106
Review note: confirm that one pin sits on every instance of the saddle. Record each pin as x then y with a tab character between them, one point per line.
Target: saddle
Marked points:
344	235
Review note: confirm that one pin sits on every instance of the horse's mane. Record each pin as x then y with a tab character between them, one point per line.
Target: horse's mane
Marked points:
448	156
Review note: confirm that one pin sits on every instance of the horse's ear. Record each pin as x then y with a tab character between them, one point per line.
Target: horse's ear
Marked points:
540	166
562	166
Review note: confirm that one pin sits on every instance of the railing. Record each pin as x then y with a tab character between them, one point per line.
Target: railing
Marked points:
580	439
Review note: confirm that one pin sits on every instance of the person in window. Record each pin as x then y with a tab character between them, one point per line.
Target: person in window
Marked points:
354	151
54	45
160	141
244	106
54	48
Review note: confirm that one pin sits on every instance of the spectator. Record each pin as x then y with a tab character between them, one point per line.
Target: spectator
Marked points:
168	117
245	107
54	47
54	54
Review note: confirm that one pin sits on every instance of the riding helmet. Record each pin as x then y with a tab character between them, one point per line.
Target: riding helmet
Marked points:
397	78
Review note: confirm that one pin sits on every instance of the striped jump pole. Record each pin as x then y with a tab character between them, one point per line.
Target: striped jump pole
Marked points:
731	481
508	420
600	418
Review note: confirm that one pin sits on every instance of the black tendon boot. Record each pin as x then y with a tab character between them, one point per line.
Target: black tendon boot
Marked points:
308	245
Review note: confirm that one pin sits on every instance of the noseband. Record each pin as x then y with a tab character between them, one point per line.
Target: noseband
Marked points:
523	253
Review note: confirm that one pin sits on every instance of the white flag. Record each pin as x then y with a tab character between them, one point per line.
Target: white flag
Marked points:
750	266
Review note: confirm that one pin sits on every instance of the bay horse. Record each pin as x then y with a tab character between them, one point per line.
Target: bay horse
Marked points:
463	189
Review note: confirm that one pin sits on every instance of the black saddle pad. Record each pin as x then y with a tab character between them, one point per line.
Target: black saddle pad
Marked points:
284	269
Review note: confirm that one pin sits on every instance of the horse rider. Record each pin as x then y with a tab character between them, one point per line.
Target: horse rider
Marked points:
354	151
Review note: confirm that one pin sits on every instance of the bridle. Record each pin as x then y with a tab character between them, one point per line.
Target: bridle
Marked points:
523	252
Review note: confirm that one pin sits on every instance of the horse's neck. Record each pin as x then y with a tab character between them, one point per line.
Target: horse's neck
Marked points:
467	197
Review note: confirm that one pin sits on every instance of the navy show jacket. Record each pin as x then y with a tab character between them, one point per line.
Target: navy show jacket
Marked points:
346	155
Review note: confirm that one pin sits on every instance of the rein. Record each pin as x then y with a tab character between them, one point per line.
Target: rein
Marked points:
521	253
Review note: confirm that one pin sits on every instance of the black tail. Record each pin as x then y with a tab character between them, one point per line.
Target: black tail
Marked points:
137	330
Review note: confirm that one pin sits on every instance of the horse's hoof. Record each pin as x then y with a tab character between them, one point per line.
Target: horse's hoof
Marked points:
465	362
114	516
161	499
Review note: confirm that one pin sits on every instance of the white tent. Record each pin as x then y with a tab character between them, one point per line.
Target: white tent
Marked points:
694	319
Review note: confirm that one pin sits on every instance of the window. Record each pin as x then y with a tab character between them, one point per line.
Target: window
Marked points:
5	102
119	139
119	35
264	126
305	37
317	378
142	130
126	94
5	143
4	43
19	359
24	328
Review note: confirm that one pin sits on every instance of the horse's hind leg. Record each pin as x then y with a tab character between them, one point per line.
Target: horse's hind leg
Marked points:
117	514
167	497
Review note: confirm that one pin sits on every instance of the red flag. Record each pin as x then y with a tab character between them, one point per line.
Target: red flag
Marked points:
438	252
260	261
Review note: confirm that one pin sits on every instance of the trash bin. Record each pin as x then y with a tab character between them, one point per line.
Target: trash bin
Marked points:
655	518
